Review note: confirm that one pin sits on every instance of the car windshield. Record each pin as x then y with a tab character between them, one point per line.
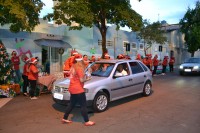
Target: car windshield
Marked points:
101	69
193	60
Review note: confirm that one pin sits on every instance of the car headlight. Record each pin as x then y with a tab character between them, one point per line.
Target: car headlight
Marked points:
181	67
196	67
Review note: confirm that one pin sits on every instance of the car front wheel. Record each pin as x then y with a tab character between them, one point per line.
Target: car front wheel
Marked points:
147	89
100	102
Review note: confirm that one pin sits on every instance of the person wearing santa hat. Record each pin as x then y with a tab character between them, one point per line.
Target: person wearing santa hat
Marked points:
155	64
68	64
106	56
25	75
16	62
164	64
33	77
77	92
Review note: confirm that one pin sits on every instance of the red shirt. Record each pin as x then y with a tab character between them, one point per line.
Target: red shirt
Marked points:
25	72
155	62
33	72
16	61
68	63
76	86
171	61
165	62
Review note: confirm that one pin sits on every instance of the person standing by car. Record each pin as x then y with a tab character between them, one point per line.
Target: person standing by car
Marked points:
32	77
171	64
77	79
164	65
68	63
155	64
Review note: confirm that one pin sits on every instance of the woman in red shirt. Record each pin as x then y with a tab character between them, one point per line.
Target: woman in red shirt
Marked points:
25	75
171	64
164	64
32	77
77	79
155	64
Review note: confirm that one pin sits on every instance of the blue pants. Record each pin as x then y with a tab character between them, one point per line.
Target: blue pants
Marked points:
80	99
18	76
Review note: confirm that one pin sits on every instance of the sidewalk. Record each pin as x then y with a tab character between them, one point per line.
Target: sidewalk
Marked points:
3	101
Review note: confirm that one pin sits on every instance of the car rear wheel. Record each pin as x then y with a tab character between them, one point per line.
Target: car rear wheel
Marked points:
100	102
147	89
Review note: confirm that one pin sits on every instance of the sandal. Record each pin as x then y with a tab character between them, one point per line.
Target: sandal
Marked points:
89	123
65	121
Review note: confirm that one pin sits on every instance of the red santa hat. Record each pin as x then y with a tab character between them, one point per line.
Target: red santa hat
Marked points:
33	60
78	57
26	59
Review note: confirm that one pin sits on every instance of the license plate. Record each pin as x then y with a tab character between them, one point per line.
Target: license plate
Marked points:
187	70
58	96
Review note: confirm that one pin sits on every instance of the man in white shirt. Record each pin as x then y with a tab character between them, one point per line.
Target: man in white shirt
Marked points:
120	71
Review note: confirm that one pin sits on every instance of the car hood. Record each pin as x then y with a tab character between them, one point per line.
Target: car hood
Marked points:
190	64
65	82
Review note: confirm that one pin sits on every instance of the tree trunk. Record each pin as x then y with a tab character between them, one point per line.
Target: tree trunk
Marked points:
104	50
192	54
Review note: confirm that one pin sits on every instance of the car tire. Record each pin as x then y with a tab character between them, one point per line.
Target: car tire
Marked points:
181	73
100	103
147	89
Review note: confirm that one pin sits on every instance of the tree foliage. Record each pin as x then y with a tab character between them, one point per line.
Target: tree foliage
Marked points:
5	65
151	33
20	14
190	26
96	12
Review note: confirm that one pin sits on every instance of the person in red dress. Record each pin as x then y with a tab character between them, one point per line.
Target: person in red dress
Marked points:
77	79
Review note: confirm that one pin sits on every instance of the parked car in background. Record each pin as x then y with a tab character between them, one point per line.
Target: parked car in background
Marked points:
190	66
108	84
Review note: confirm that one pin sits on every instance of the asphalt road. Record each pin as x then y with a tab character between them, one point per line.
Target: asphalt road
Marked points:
172	108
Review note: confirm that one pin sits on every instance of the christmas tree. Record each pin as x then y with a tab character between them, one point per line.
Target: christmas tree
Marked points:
5	66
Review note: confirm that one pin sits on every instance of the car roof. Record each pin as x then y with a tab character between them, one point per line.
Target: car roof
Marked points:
113	60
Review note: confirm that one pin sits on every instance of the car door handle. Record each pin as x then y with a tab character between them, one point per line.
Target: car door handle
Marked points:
145	76
130	80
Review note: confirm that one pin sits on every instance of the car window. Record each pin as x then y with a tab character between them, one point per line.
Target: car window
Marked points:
122	70
143	66
193	60
102	69
135	67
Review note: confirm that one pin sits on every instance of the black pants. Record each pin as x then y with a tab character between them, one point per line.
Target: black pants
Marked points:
164	69
171	68
25	83
33	84
81	100
154	70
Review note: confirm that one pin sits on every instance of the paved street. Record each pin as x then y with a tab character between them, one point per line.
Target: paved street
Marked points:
172	108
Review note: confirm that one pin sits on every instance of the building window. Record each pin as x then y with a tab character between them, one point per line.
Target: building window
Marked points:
133	45
126	46
141	47
108	43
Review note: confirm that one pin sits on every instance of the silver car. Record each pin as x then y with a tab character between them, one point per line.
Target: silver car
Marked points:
107	84
190	66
